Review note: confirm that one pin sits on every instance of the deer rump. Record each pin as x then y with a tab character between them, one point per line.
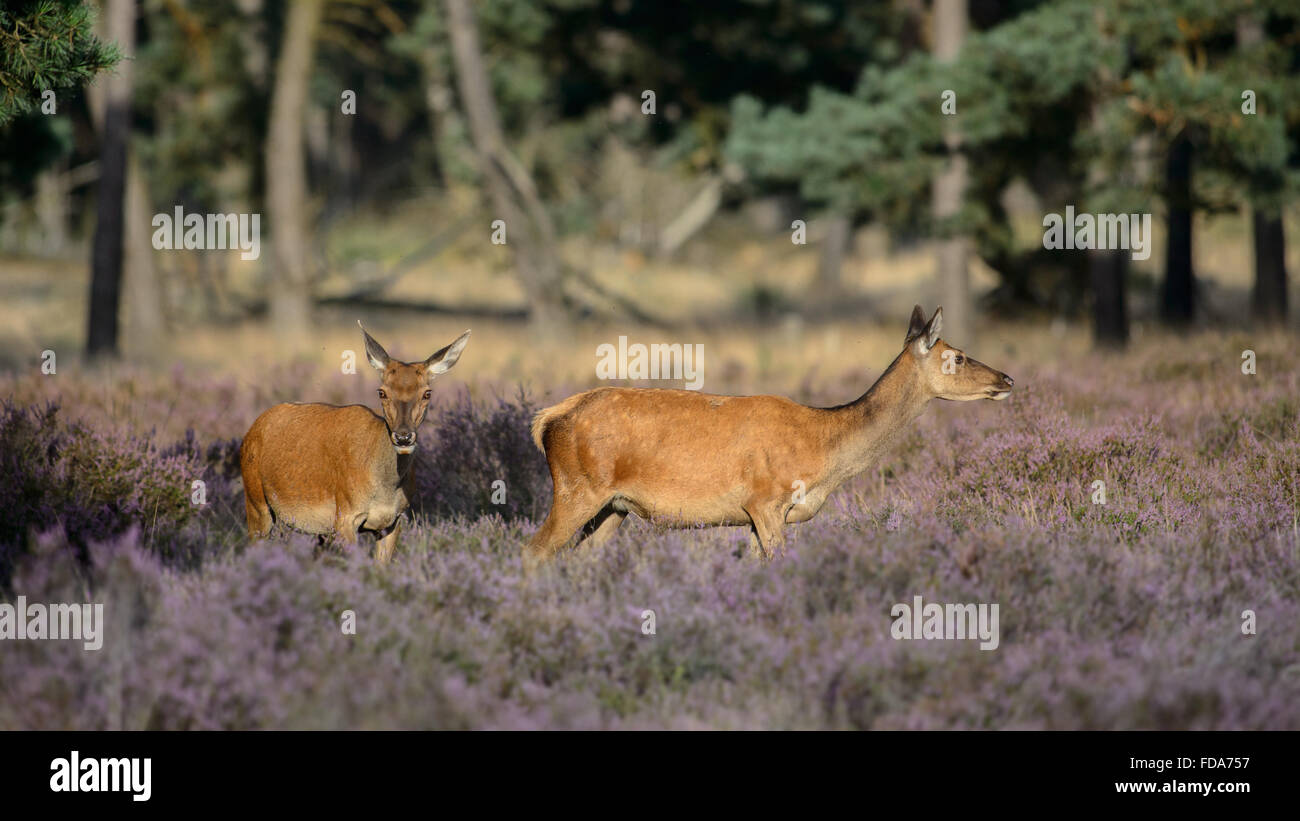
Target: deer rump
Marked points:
681	457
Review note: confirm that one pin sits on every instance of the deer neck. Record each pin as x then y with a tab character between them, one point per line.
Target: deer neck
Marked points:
405	464
868	425
394	468
398	478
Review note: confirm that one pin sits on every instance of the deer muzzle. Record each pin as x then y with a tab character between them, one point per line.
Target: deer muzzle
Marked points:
404	441
1004	390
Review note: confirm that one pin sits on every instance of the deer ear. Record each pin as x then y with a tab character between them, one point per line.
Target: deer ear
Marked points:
930	335
442	361
374	351
917	324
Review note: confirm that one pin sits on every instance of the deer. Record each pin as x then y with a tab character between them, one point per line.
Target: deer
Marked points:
343	469
685	458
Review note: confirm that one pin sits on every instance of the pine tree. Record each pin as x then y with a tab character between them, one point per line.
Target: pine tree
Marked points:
1067	86
46	45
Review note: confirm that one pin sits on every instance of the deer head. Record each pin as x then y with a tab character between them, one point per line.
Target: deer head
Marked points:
404	391
946	372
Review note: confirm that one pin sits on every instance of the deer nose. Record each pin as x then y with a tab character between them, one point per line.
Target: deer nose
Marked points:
403	438
1010	382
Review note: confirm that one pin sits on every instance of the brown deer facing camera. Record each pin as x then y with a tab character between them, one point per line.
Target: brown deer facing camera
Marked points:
325	469
688	458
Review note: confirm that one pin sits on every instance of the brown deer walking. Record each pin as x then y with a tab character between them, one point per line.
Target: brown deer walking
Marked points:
689	458
325	469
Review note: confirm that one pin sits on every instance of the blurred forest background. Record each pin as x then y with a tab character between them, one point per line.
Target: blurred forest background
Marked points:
653	162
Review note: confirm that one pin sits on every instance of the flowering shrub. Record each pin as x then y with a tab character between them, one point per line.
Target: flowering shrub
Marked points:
1122	613
475	446
90	483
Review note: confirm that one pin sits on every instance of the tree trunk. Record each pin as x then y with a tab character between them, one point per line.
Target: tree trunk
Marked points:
1269	294
106	251
1107	268
949	189
691	219
252	43
529	231
343	163
145	311
1177	293
286	182
141	286
835	246
438	99
1107	273
52	208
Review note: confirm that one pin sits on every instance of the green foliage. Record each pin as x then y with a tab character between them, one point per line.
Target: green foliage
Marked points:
46	45
28	144
1060	96
876	149
560	62
200	112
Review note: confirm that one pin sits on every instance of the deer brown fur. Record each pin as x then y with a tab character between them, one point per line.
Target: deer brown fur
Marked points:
330	469
688	458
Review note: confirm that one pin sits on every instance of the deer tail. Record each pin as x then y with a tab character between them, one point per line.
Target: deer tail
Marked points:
544	417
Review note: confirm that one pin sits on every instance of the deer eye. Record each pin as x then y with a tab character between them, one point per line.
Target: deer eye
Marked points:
427	394
961	360
382	394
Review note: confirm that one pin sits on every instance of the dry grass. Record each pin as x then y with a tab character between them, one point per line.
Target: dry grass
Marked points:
709	294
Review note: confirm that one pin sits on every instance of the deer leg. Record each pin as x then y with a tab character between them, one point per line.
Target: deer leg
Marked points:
256	510
385	544
768	530
602	528
346	527
558	529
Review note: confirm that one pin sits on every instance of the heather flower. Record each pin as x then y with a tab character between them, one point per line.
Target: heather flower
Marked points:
1115	615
